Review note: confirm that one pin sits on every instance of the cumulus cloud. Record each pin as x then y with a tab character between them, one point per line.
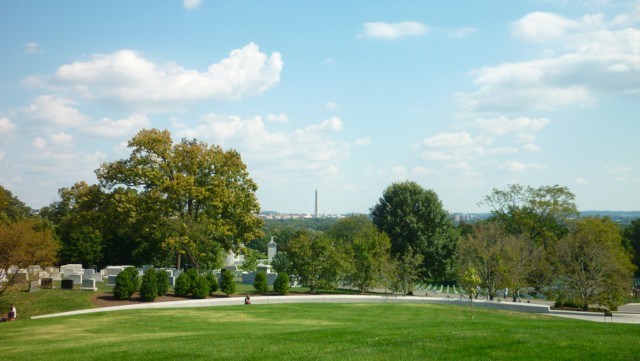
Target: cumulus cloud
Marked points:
32	48
331	105
119	128
580	181
580	61
127	78
519	167
391	31
191	4
362	142
62	139
55	110
333	124
278	118
6	126
462	32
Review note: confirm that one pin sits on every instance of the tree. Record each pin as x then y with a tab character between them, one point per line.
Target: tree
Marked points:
149	286
470	281
413	218
24	243
260	282
281	284
187	186
404	272
366	249
632	238
228	283
127	283
316	262
200	287
591	265
282	263
539	214
499	258
213	282
183	284
250	260
11	208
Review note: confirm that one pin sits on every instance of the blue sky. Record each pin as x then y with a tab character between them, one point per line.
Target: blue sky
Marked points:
343	96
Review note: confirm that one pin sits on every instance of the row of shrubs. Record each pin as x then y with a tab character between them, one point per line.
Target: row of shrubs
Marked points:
155	283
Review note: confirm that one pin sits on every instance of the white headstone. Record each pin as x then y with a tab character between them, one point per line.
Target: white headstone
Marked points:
76	278
89	284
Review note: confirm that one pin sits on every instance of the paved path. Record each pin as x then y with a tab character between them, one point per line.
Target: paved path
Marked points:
618	317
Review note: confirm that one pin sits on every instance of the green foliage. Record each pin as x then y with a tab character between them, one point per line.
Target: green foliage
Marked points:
632	237
228	283
282	263
213	282
149	287
127	283
200	287
250	260
470	281
11	208
281	284
260	282
183	284
316	262
414	219
404	272
162	281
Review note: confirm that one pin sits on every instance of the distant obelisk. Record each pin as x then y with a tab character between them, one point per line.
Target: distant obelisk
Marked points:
316	208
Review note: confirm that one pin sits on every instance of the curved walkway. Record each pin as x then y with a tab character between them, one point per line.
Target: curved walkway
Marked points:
262	300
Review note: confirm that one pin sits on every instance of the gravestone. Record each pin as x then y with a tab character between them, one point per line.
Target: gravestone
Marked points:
21	278
66	284
46	283
34	286
88	273
76	278
111	280
88	284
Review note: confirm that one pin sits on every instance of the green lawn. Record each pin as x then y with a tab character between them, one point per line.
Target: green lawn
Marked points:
316	332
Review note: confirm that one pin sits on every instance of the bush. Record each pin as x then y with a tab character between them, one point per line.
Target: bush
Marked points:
127	283
260	282
281	284
183	285
228	284
162	279
200	287
149	287
213	282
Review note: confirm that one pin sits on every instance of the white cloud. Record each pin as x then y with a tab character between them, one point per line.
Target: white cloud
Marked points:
333	124
6	126
118	128
502	125
125	77
531	148
191	4
449	140
389	31
55	110
62	139
580	181
519	167
39	143
462	32
579	62
331	105
278	118
362	142
32	48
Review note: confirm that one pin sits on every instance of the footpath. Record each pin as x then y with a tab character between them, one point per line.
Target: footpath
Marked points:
627	314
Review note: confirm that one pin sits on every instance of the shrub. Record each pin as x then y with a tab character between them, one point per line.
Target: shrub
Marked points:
281	284
228	284
149	287
183	285
260	282
162	279
127	283
200	287
213	282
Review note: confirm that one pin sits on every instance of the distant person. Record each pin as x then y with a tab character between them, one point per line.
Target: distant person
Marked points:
11	316
247	300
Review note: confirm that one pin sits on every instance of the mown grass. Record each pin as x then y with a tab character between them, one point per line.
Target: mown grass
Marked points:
316	332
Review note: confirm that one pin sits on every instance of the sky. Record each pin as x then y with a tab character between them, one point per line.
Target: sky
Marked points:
346	97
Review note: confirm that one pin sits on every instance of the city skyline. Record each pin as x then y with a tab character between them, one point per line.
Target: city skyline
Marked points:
343	98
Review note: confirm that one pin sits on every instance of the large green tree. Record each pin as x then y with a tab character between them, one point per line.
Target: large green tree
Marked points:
539	214
315	260
415	221
591	265
197	192
11	208
632	239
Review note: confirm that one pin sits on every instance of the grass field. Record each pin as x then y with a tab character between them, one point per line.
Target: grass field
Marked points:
316	332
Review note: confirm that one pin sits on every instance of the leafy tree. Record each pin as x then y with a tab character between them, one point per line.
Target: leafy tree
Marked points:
539	214
23	243
404	272
632	237
127	283
260	282
149	286
228	283
213	282
366	248
316	262
282	263
250	260
11	208
200	287
470	281
413	218
162	281
183	284
499	258
591	265
199	193
281	284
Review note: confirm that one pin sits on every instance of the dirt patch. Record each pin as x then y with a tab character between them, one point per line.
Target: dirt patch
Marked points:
106	299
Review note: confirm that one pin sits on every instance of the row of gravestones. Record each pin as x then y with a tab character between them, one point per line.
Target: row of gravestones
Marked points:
74	274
